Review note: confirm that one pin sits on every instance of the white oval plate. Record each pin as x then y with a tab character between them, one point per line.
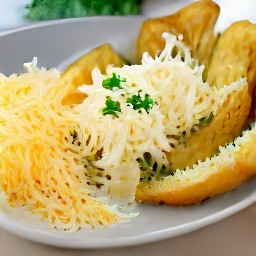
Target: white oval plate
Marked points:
56	44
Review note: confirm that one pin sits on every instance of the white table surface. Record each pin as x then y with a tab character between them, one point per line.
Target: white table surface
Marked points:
234	236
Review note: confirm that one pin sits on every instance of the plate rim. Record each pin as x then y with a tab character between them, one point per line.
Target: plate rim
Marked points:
47	237
46	23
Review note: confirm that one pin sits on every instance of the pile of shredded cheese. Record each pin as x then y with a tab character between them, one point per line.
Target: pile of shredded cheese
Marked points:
77	166
181	99
40	168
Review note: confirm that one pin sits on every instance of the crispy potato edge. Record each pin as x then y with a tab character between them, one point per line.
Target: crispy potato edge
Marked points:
206	181
195	22
223	129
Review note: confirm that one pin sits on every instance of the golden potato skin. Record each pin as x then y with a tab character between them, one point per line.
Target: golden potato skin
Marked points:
195	22
224	128
79	72
206	181
235	57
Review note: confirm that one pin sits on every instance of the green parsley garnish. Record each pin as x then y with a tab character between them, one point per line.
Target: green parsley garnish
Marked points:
149	168
204	121
113	82
112	107
137	102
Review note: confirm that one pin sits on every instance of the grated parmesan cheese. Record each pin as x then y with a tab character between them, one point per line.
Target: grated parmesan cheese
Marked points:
181	99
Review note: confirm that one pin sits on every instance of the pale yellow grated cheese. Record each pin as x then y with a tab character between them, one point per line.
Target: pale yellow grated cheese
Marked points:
39	166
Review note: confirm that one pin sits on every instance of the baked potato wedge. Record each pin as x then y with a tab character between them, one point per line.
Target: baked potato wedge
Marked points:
195	22
79	72
225	171
235	57
224	69
195	177
223	128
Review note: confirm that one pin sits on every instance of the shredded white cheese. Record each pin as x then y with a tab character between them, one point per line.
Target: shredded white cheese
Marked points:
181	99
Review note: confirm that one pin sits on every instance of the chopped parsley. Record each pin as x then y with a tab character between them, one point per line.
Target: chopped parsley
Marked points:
149	168
204	121
113	83
138	102
112	107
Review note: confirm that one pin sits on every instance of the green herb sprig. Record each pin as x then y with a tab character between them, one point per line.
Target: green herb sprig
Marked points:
113	83
205	121
138	102
112	107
